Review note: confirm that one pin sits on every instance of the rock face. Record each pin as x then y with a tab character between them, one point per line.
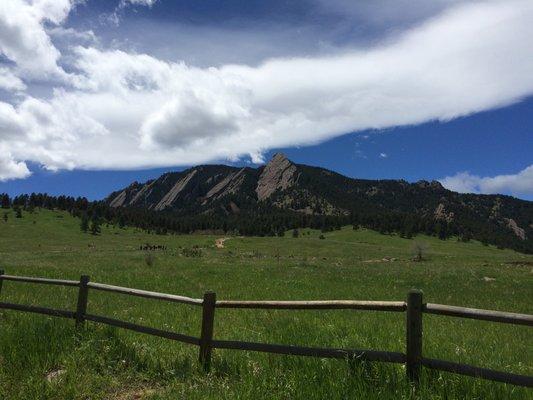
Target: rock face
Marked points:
278	174
119	200
169	198
441	213
229	185
512	225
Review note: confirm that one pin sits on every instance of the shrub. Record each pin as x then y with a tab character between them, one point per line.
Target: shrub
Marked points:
419	250
195	251
149	259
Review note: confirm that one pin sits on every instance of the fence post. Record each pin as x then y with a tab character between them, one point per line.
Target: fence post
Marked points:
83	293
206	337
1	280
414	335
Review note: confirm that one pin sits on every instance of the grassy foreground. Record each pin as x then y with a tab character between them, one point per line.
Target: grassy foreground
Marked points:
47	358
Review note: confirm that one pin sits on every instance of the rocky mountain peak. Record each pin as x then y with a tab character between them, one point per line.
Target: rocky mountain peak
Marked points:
435	185
278	158
279	174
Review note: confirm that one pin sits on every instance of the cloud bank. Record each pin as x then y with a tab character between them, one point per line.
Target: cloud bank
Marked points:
517	184
116	109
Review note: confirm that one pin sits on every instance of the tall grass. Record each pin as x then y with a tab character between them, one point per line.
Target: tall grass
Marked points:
102	363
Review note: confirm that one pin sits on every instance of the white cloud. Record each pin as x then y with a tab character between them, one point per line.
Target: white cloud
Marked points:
517	184
386	12
11	124
187	119
11	169
69	35
23	38
9	81
383	155
115	17
147	3
134	110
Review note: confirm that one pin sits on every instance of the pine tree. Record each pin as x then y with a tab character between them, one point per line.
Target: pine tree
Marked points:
95	227
6	202
121	221
84	224
18	212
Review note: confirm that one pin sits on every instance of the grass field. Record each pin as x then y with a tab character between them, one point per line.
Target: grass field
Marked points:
104	363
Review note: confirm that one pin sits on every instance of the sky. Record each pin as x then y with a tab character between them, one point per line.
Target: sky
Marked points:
95	94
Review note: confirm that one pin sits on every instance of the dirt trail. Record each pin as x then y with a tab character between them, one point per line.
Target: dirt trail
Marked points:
219	243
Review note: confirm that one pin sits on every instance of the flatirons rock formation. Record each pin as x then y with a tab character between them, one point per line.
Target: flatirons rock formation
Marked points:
278	174
284	185
206	184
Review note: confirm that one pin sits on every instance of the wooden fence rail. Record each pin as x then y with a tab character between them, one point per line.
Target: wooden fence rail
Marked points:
413	307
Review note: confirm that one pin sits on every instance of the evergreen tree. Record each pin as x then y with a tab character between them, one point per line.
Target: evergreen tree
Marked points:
84	224
442	231
18	212
4	199
95	226
121	221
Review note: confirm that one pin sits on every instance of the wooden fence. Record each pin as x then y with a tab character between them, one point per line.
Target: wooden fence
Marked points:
414	307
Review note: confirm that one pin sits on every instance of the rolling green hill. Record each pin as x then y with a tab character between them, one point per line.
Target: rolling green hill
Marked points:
46	358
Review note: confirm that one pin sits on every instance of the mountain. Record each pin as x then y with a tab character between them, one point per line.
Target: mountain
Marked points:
291	190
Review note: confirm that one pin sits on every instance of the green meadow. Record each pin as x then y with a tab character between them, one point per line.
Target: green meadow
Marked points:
48	358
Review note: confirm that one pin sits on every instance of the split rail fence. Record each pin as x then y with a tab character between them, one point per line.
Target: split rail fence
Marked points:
413	307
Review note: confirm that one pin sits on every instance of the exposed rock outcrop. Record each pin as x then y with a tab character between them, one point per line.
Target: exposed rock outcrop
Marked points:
221	191
495	210
143	193
512	225
435	185
441	213
228	185
119	200
278	174
173	193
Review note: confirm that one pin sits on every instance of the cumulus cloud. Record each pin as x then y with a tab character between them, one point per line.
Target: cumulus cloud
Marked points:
9	81
11	124
23	38
134	110
517	184
11	169
187	119
71	35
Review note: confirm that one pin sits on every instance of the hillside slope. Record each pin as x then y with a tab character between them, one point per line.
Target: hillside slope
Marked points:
283	186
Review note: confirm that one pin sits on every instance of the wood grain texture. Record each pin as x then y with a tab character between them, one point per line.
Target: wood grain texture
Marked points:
475	313
145	293
397	306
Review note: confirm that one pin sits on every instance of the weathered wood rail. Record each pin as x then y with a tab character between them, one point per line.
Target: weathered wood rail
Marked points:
413	307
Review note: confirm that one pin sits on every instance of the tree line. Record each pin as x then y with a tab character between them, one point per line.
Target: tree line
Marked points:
261	220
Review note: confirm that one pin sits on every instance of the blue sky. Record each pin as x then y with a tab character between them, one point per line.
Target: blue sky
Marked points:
97	94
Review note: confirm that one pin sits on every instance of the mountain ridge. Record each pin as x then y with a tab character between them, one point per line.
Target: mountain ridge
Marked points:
282	186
